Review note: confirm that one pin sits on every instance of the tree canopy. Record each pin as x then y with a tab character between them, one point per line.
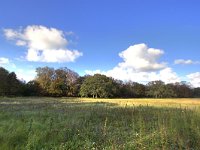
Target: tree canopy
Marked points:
98	86
66	82
57	82
9	84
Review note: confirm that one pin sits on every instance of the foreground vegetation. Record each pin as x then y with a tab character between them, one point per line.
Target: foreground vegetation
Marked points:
72	123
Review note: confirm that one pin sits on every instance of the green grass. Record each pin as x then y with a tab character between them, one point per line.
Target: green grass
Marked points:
70	123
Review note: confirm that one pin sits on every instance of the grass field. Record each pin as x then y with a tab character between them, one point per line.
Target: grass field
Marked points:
80	123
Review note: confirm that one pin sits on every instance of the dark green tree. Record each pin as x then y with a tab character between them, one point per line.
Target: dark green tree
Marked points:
9	84
170	91
15	87
98	86
196	92
138	89
156	89
3	82
32	88
183	89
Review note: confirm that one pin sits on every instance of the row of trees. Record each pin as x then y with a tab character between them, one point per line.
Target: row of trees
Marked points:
65	82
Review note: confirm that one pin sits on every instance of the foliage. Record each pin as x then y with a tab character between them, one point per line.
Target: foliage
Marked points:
98	86
59	82
158	89
131	89
183	90
65	82
32	88
196	92
9	84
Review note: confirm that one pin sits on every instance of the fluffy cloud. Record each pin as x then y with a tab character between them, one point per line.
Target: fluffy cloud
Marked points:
185	62
52	55
140	64
44	44
141	58
168	76
4	61
194	79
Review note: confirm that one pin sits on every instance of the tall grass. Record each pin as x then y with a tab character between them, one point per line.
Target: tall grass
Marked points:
50	123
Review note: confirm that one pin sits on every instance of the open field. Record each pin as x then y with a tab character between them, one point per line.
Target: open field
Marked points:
184	102
80	123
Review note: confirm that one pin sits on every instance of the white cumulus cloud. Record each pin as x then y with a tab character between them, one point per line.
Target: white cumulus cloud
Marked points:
140	64
168	75
194	79
185	62
142	58
44	44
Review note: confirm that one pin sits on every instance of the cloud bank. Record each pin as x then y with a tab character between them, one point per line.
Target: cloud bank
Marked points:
141	64
44	44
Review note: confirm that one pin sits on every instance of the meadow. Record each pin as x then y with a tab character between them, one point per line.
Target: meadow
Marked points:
79	123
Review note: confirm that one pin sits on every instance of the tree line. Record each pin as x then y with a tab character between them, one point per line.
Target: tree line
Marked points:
67	83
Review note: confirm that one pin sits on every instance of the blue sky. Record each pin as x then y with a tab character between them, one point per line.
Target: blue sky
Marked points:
137	40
